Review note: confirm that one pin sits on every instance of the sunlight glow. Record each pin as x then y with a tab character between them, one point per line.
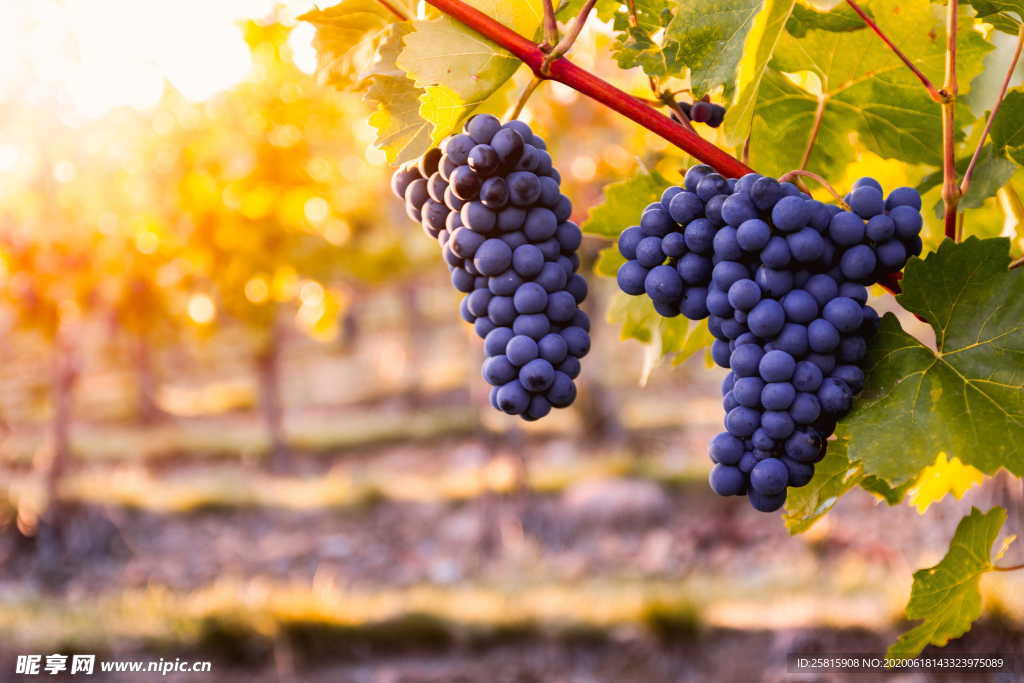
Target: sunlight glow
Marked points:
85	57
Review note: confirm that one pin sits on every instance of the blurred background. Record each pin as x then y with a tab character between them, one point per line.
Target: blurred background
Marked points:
242	420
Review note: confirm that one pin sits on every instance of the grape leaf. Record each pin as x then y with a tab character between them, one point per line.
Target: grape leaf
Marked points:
677	337
942	477
838	20
1005	15
757	52
834	476
709	37
349	34
401	132
608	261
946	597
869	90
1008	127
991	173
468	67
786	112
965	399
623	202
638	46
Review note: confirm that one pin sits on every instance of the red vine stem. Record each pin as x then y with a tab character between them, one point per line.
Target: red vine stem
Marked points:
950	184
564	71
939	96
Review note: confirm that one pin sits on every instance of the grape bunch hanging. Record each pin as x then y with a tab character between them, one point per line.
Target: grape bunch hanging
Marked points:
491	198
782	280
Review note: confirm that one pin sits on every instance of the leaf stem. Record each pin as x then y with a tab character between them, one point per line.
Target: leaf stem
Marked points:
819	114
566	43
966	182
530	88
564	71
785	177
950	186
939	96
1017	264
1011	568
550	24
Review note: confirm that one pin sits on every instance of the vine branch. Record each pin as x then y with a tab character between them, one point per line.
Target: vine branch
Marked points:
966	182
939	96
786	177
950	186
550	24
581	80
566	43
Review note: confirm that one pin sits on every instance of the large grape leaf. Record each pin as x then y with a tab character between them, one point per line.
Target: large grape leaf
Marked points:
463	67
867	89
401	132
1008	127
946	597
966	397
1005	15
758	48
349	34
708	37
839	20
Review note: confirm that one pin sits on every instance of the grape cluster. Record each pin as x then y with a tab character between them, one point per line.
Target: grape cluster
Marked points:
782	279
703	112
490	196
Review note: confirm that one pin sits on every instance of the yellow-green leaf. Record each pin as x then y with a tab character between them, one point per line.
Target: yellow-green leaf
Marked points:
944	476
401	132
946	597
623	202
758	48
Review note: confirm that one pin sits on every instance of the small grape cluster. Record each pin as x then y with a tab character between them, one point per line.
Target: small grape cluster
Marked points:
782	279
491	197
704	112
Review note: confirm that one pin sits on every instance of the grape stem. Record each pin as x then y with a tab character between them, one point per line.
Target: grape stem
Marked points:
1011	568
939	96
566	43
786	177
950	186
581	80
1017	264
966	182
550	25
531	87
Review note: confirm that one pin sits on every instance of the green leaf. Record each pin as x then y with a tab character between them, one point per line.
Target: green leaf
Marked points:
786	112
1005	15
466	68
709	38
991	173
348	36
834	476
401	132
636	45
964	399
838	20
623	202
868	90
608	262
1008	128
946	597
757	52
662	337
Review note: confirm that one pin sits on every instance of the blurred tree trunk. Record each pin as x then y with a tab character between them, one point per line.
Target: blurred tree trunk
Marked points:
147	409
351	326
415	327
64	379
268	370
598	406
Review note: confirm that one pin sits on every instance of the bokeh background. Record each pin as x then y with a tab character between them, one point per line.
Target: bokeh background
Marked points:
243	422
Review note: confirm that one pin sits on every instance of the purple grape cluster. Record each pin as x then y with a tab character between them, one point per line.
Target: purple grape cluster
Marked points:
782	279
491	198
